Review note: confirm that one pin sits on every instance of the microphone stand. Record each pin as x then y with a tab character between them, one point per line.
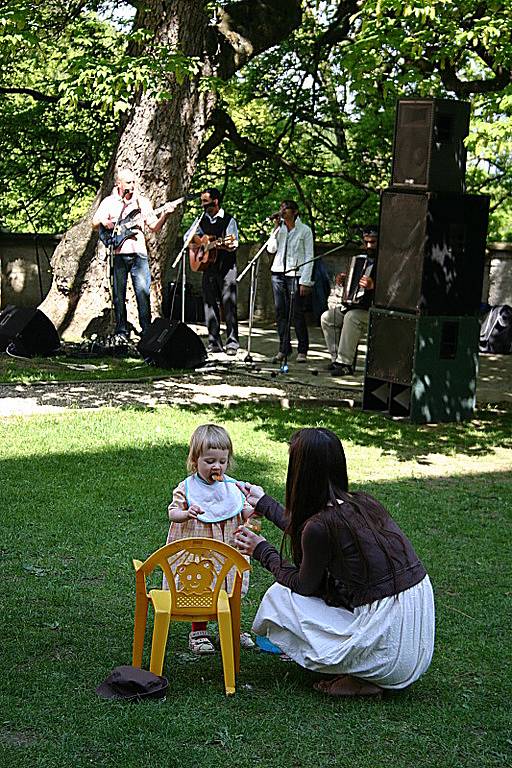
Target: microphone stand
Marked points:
253	265
183	255
111	255
36	244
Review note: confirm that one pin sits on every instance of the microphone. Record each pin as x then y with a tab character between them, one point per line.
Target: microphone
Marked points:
127	192
274	216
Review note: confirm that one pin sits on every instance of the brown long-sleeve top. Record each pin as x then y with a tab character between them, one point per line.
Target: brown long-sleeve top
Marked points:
341	575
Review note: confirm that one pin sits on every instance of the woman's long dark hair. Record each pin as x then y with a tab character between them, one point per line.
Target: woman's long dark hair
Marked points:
317	475
317	479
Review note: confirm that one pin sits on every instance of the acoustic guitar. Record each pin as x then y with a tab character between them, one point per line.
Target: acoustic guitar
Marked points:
202	254
126	228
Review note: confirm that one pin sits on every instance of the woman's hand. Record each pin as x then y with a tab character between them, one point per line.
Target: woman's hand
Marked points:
246	541
252	493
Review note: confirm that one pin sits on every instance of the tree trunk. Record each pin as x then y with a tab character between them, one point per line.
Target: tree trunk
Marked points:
160	143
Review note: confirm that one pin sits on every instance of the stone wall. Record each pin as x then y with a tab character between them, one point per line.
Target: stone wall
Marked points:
26	275
22	280
498	274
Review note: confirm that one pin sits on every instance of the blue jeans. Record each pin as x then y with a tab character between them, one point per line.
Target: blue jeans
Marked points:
137	266
285	289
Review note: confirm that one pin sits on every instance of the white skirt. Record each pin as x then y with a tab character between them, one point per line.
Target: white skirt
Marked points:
388	642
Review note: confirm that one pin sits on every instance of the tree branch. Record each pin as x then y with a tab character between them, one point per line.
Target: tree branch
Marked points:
39	96
248	28
256	152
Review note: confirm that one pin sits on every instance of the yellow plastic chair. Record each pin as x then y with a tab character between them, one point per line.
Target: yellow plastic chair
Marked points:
196	571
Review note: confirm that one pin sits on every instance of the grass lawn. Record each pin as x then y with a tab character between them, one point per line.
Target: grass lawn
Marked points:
83	492
68	368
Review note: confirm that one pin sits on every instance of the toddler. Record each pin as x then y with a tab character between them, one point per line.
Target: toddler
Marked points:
208	503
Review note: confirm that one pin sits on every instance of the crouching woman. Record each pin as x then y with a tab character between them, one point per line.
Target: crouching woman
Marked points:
356	603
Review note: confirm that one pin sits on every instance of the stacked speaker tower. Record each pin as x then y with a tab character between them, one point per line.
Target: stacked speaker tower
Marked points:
423	331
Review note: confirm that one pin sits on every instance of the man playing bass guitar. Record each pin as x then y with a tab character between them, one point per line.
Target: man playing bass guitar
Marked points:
219	276
125	213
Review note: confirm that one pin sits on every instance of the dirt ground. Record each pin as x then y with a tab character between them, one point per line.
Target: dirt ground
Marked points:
229	381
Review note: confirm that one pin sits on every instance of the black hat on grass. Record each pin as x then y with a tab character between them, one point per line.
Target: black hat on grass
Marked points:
132	684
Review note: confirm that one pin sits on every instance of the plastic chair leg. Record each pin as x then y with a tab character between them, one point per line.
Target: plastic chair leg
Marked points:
226	642
235	625
139	631
161	600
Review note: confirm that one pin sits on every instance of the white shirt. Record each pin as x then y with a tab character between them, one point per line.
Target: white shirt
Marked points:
114	208
293	248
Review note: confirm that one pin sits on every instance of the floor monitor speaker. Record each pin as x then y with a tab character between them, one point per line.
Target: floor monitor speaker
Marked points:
429	152
172	345
28	331
421	367
431	252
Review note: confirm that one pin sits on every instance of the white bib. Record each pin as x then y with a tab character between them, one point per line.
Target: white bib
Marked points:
219	500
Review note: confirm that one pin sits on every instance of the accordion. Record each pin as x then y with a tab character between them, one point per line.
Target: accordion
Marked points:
360	266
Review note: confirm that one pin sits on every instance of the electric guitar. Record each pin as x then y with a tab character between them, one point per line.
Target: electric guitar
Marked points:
202	254
126	228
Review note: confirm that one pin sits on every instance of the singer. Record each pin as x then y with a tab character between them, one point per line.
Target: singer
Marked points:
292	244
131	257
219	278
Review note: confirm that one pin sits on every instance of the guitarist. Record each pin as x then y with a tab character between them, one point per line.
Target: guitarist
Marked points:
219	278
131	257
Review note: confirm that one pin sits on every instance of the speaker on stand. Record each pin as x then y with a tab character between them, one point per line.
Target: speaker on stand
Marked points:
431	252
422	359
421	366
428	149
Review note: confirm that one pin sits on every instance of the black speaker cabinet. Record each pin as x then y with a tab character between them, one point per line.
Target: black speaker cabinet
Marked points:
172	345
29	331
431	252
429	151
421	367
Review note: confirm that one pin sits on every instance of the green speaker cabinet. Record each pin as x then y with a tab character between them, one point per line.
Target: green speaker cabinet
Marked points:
421	367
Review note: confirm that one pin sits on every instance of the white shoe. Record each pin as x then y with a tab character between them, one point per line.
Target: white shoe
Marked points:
278	358
301	358
199	643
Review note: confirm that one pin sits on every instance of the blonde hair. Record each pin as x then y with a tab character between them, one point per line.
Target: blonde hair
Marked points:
205	437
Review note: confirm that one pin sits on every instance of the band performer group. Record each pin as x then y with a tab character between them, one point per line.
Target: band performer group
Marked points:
219	277
343	325
131	257
292	267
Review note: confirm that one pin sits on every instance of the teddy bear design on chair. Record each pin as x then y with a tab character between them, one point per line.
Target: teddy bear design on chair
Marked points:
197	571
196	579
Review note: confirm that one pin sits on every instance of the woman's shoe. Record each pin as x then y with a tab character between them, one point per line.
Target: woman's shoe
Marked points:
246	640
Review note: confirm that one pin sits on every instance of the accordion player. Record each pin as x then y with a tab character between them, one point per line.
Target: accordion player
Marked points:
360	266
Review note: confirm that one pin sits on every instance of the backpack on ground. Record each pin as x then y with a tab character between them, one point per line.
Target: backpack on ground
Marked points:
496	331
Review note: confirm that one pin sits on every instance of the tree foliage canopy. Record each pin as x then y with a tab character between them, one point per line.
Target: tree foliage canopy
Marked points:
311	118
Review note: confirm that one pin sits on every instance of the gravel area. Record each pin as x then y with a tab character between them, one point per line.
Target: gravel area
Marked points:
227	386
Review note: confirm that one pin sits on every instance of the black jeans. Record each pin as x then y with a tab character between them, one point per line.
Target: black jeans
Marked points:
219	286
285	289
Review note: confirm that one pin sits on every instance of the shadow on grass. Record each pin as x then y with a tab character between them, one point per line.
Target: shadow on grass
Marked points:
491	428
